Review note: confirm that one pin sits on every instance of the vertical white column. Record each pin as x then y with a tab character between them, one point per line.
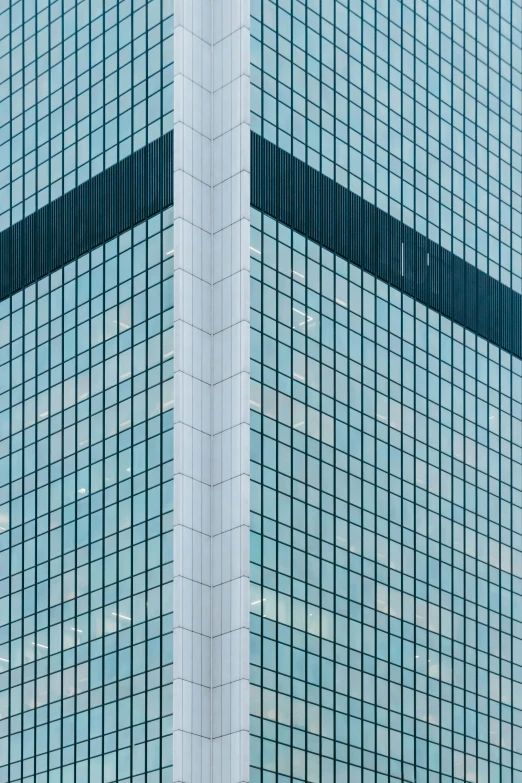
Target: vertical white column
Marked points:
192	692
211	382
231	392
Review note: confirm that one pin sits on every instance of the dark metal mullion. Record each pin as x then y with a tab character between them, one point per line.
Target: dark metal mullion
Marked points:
487	564
22	572
320	588
348	465
292	479
277	485
388	376
118	115
101	371
23	678
474	640
261	554
76	140
10	14
48	142
291	466
132	532
131	88
36	426
451	545
388	520
511	162
161	23
452	731
306	454
62	123
487	167
117	487
368	262
10	534
375	513
62	493
23	440
402	298
473	77
89	137
36	155
47	421
75	499
510	576
102	491
320	444
334	446
448	58
23	119
388	147
335	510
403	170
162	532
439	145
439	514
415	572
147	372
146	33
102	83
416	174
89	561
415	495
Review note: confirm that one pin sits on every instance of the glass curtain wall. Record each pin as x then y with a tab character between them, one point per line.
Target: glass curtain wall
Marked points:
82	85
416	105
86	498
386	548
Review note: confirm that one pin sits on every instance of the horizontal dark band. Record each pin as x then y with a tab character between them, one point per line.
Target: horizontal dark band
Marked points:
288	190
113	201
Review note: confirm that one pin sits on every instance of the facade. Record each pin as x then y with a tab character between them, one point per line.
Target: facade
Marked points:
261	391
86	607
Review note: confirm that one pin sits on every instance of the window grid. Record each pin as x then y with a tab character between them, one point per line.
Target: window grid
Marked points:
82	85
86	499
416	106
386	540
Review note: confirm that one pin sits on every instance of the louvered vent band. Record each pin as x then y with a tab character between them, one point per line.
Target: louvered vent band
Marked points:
309	202
113	201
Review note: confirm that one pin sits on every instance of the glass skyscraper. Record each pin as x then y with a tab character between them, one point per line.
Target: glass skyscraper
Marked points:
261	391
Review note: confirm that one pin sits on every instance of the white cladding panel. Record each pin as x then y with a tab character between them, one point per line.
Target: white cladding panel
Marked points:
212	390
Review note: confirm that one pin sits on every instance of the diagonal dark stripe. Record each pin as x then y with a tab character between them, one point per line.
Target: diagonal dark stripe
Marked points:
290	191
113	201
309	202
